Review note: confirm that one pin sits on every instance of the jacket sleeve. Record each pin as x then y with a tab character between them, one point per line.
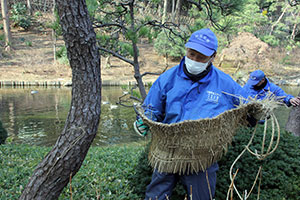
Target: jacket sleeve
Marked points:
154	104
281	95
247	89
240	94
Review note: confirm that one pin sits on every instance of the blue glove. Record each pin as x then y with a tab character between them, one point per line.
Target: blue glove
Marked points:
140	128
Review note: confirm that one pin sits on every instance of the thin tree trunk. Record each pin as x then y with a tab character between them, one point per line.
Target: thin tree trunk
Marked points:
295	27
173	10
54	32
177	11
29	7
137	74
164	18
293	123
6	26
45	6
278	20
67	155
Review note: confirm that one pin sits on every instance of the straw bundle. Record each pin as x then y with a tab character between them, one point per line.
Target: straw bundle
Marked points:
193	145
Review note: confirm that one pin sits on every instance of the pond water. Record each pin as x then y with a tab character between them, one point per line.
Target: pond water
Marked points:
39	118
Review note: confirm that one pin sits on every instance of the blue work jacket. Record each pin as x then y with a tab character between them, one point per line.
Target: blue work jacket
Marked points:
270	87
174	97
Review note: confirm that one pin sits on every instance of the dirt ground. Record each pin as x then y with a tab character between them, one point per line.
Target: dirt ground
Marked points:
32	60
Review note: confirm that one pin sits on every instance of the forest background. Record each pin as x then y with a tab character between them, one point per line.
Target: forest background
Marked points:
252	34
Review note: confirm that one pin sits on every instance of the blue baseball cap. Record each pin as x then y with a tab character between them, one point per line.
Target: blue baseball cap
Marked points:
255	77
203	41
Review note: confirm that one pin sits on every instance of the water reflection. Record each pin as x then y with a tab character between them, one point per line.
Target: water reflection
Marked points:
282	112
3	134
38	118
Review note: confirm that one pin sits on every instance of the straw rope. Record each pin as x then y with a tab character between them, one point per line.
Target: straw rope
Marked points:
268	105
260	156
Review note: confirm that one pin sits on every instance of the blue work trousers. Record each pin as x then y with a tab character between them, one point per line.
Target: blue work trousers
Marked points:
162	184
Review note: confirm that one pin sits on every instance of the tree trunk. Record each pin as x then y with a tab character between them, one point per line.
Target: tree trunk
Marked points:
177	11
278	20
6	26
295	27
136	66
67	155
173	11
293	123
29	7
54	32
164	17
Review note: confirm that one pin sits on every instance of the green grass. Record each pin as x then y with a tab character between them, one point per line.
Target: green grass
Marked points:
104	172
122	171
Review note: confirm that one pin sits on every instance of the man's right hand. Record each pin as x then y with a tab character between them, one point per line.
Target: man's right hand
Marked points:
295	101
140	128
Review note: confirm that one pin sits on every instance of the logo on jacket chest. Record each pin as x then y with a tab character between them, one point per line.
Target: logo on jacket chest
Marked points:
213	97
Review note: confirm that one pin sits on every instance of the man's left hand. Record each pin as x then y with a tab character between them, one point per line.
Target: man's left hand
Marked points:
140	128
295	101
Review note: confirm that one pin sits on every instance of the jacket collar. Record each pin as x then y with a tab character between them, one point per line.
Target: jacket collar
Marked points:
267	87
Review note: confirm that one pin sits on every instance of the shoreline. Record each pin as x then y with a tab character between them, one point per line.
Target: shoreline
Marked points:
295	82
63	83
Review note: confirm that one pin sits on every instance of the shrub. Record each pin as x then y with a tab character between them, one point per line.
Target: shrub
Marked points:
281	170
38	14
17	164
168	45
286	60
61	55
2	37
55	25
122	172
28	43
104	172
20	17
270	39
142	174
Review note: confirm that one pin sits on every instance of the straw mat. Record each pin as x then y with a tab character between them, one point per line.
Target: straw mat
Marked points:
193	145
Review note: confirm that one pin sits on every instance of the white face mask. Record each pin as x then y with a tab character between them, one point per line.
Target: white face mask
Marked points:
195	67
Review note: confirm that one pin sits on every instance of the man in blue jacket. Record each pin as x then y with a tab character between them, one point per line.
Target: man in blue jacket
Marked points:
259	87
194	89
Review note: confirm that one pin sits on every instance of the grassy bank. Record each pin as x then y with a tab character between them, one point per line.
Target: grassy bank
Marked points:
122	172
104	172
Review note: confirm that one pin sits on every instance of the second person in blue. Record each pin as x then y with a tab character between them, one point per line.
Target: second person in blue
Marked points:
258	86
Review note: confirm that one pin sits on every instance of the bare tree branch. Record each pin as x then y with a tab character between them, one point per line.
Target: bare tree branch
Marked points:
116	55
101	25
131	96
209	11
166	26
198	5
150	73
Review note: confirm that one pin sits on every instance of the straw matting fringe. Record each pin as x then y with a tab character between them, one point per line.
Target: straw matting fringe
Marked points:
193	145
